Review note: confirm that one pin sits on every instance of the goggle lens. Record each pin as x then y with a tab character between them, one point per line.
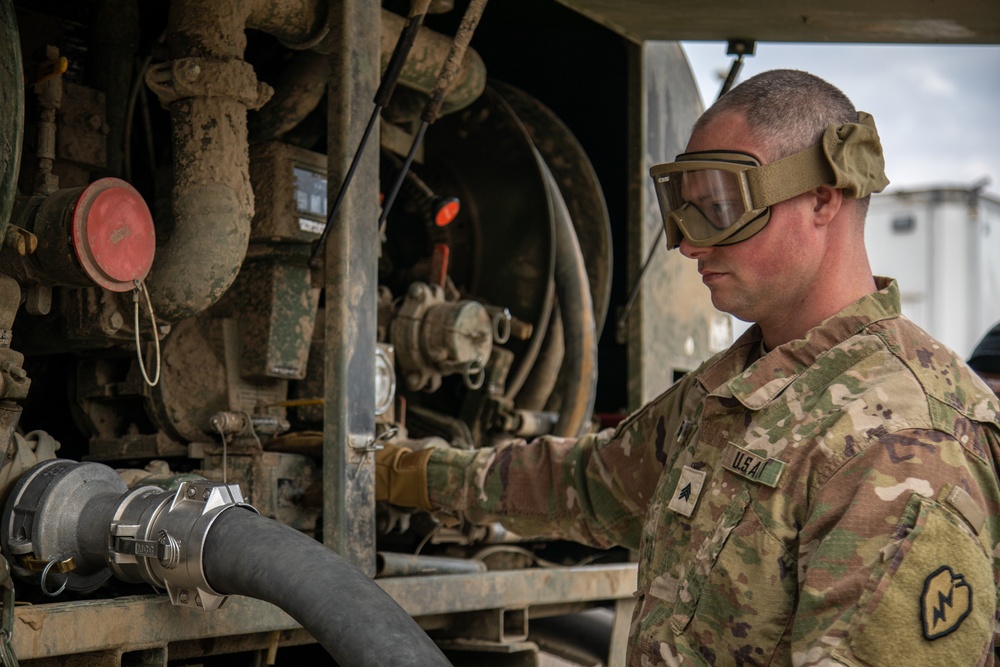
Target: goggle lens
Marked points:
707	204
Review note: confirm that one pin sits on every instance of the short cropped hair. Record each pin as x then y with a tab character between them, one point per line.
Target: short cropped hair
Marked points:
786	111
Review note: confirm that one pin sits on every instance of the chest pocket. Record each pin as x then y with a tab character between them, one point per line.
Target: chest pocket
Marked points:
738	596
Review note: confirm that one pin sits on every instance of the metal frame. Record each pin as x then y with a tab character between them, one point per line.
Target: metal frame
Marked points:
150	621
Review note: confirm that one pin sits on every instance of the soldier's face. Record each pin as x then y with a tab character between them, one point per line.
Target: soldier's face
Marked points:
770	275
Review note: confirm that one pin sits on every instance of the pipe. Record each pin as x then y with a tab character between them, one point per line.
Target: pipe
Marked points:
297	94
213	28
12	109
303	81
208	88
212	203
429	51
392	564
246	554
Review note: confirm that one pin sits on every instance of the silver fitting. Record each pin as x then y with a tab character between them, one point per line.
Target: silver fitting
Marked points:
46	514
159	538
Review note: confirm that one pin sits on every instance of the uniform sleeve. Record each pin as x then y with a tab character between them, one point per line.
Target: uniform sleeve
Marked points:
895	562
594	490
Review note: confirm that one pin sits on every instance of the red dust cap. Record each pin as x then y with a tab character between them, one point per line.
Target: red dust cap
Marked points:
113	234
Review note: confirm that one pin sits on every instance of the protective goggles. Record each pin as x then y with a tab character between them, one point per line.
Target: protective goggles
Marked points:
720	198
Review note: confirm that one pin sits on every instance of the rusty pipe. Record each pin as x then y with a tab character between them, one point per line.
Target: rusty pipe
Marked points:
215	28
428	54
303	82
391	564
208	88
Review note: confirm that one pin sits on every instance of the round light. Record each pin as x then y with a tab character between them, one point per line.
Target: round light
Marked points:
385	381
446	210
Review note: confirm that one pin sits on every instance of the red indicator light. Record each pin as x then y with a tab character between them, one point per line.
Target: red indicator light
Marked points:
447	210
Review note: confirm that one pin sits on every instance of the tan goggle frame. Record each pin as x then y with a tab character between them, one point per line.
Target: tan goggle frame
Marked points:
682	218
849	157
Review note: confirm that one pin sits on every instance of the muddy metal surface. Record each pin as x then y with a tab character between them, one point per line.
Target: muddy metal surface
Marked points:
151	621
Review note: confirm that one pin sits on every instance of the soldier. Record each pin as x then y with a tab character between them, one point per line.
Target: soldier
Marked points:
824	492
985	359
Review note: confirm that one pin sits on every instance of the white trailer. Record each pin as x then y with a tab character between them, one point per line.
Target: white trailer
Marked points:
943	246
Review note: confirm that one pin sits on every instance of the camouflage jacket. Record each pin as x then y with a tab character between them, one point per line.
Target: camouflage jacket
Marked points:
834	502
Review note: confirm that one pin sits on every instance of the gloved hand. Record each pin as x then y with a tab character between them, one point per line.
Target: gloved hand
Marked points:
401	476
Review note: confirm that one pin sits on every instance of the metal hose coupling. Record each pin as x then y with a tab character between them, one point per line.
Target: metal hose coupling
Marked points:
69	525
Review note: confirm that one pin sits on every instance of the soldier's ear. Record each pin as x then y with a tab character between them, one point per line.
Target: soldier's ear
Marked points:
826	203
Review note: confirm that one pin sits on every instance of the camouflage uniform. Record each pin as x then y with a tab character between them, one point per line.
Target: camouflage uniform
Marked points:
833	502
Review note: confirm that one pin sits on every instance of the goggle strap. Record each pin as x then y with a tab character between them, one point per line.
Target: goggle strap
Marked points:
789	177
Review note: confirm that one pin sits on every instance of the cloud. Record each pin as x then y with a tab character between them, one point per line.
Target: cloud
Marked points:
932	81
934	105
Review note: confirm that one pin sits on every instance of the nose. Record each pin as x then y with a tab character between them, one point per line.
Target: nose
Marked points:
692	251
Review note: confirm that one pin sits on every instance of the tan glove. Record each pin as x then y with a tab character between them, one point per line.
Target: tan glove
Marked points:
401	476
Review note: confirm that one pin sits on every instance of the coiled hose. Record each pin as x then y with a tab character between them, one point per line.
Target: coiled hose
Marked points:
357	622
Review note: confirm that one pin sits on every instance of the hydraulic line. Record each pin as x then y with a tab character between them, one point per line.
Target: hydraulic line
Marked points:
247	554
577	385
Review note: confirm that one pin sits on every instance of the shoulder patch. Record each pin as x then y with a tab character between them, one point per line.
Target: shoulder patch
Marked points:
766	471
945	602
930	605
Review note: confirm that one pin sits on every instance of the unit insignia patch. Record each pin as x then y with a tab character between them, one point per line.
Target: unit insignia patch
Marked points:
946	601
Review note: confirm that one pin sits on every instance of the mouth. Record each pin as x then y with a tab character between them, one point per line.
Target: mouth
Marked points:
709	275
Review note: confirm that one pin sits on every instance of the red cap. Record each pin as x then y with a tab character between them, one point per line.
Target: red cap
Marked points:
113	234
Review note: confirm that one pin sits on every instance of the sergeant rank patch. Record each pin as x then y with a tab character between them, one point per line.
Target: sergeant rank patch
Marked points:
687	491
946	601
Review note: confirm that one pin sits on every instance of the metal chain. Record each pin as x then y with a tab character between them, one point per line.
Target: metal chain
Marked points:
140	286
222	434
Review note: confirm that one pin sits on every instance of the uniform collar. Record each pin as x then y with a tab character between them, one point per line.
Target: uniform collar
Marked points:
767	376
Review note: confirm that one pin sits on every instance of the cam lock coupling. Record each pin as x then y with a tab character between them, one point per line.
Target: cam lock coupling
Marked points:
159	538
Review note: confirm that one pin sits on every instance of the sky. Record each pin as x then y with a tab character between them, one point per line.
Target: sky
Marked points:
937	108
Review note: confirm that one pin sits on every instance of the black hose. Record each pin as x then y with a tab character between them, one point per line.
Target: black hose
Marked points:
577	386
349	614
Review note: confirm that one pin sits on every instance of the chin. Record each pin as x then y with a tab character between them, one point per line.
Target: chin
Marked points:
738	310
